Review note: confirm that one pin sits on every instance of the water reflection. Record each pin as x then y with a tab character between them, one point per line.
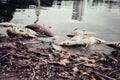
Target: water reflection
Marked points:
8	7
59	3
78	9
97	2
79	5
6	11
109	3
99	16
46	2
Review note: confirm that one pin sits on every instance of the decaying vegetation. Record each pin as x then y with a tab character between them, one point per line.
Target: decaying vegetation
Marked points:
33	59
22	59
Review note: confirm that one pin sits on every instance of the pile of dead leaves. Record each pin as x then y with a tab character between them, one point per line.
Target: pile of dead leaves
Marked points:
38	60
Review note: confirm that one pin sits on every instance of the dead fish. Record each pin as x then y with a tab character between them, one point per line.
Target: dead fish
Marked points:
41	30
78	32
113	44
6	24
82	40
57	47
18	31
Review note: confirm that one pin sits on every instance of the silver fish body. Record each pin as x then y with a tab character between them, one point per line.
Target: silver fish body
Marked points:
41	30
7	24
78	32
25	32
82	40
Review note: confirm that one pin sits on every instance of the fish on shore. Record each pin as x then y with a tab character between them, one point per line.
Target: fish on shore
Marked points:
78	32
29	30
114	44
41	30
81	40
7	24
24	32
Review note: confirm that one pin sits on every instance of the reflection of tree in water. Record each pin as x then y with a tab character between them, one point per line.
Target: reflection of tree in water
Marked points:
78	9
7	7
97	2
6	11
108	3
111	4
59	3
46	2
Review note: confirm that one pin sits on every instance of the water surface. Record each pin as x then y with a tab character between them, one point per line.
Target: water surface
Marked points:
98	16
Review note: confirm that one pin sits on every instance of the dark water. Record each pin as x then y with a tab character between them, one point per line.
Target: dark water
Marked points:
98	16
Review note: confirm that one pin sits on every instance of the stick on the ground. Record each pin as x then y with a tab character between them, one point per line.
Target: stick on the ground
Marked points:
105	76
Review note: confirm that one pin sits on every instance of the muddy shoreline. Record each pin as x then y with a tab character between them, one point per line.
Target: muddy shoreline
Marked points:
22	59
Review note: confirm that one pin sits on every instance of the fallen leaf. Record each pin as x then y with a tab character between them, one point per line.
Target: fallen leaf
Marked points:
64	62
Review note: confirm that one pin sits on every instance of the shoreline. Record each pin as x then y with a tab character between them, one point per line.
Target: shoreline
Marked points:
39	60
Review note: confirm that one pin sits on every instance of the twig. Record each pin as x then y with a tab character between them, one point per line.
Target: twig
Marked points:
5	55
33	76
113	72
110	57
109	78
101	77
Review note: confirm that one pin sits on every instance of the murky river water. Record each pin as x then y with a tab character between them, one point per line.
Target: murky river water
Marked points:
102	18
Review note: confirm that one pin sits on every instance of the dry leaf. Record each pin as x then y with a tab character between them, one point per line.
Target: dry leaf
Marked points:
90	65
64	62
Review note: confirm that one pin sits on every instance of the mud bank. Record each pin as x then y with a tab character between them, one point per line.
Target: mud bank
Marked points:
28	59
